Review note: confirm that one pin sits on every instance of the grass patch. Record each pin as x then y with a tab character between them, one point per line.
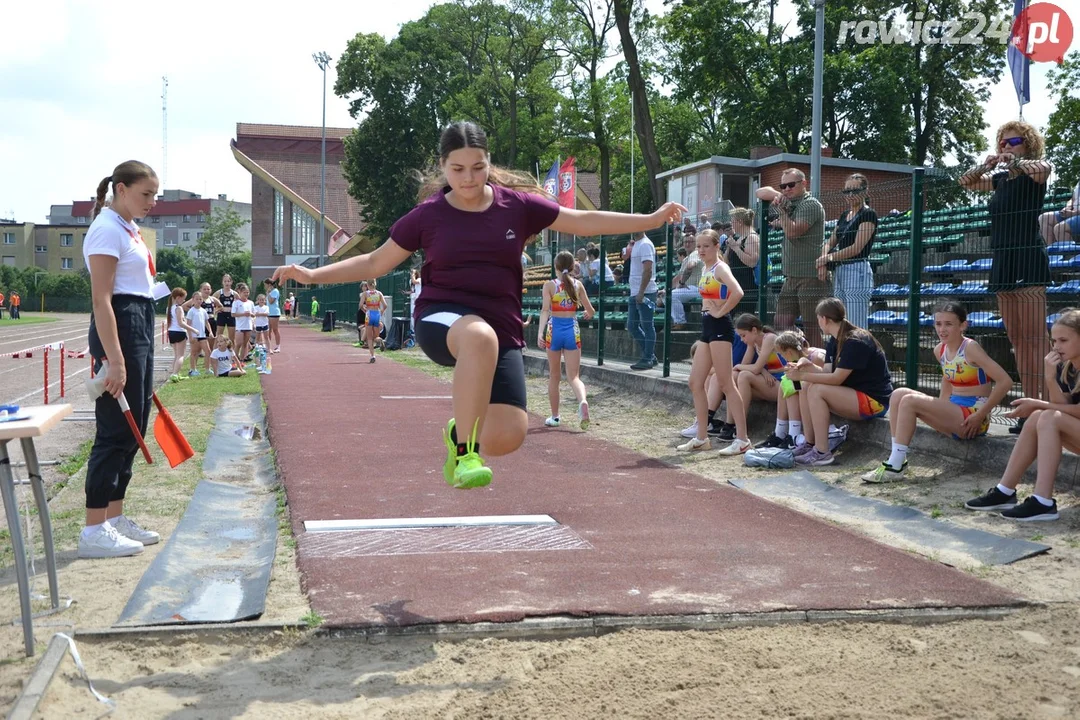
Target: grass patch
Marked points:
935	512
74	463
26	320
312	619
208	390
415	358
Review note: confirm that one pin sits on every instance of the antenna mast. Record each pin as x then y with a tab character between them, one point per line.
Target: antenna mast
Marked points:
164	131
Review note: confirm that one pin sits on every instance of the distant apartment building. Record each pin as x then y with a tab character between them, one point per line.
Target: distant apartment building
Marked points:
178	219
56	248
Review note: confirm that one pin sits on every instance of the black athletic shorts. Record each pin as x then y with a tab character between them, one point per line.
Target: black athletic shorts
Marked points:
432	325
717	329
226	320
177	337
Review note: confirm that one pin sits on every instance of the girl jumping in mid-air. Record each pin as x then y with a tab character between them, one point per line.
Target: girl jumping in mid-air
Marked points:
473	222
561	336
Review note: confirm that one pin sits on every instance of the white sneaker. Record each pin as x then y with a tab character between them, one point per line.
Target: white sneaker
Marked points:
552	422
690	432
131	530
694	444
738	447
105	542
583	415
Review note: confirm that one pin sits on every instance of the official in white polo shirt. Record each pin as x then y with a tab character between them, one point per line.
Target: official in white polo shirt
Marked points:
121	330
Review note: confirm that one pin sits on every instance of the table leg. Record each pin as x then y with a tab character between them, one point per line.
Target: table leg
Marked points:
33	469
11	510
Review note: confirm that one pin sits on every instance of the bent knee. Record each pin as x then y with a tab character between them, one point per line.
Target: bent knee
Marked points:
1046	418
501	441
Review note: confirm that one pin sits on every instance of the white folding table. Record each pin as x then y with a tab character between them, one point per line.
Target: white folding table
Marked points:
41	419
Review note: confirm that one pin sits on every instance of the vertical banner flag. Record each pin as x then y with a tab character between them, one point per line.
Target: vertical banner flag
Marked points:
551	182
567	183
1019	63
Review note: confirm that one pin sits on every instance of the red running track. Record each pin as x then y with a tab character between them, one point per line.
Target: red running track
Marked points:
638	537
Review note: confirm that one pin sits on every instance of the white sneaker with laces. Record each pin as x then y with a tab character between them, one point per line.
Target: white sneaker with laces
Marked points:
131	530
695	444
105	542
552	422
738	447
690	432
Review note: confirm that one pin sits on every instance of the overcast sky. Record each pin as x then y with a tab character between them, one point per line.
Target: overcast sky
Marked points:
80	88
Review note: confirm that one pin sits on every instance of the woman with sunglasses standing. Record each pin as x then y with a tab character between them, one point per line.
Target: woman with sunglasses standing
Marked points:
1017	176
847	251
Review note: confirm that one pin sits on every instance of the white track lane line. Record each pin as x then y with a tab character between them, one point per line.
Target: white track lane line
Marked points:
30	341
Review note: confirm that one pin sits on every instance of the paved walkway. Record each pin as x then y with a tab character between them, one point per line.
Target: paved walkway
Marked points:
636	537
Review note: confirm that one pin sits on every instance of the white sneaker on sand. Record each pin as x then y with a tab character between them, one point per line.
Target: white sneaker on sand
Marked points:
694	444
738	447
690	432
552	422
131	530
105	542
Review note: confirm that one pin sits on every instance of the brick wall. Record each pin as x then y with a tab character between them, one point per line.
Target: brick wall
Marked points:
262	230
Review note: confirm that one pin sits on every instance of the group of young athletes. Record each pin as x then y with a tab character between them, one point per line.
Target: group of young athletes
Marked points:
227	319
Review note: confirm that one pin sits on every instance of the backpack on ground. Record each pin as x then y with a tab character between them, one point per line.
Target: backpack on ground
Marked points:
772	458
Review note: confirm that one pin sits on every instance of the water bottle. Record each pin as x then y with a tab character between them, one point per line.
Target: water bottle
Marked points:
647	302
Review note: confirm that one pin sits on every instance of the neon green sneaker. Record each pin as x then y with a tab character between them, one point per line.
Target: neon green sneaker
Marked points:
468	470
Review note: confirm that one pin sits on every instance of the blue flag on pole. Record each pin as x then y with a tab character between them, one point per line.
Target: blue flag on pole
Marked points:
1019	64
551	182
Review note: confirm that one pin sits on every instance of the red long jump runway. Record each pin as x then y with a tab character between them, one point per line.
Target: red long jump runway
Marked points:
637	537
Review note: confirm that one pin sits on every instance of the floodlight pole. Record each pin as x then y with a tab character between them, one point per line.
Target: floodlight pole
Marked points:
322	59
815	133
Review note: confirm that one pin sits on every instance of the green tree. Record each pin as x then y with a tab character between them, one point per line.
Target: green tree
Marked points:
625	11
1061	128
220	240
477	61
174	260
582	28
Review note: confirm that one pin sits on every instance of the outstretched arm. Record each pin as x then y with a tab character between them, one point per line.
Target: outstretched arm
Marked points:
362	267
599	222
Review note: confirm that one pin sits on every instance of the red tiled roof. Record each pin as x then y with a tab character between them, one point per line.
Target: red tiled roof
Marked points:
288	131
589	182
83	208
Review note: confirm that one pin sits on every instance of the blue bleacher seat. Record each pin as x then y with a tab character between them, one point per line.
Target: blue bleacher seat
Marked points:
886	289
981	264
1073	262
956	265
972	287
938	289
1069	287
926	320
882	317
1057	261
985	319
1063	246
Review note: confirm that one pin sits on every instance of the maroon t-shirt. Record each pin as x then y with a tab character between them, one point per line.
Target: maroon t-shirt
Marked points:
474	258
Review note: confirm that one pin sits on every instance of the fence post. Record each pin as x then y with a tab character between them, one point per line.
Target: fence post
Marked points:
668	263
602	273
915	279
763	260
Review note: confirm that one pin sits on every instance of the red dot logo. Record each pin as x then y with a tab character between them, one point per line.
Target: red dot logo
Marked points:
1043	33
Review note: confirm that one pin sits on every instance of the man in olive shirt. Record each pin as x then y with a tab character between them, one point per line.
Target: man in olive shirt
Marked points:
803	221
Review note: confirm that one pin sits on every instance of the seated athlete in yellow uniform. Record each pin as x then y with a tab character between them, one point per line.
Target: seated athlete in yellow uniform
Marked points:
972	384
